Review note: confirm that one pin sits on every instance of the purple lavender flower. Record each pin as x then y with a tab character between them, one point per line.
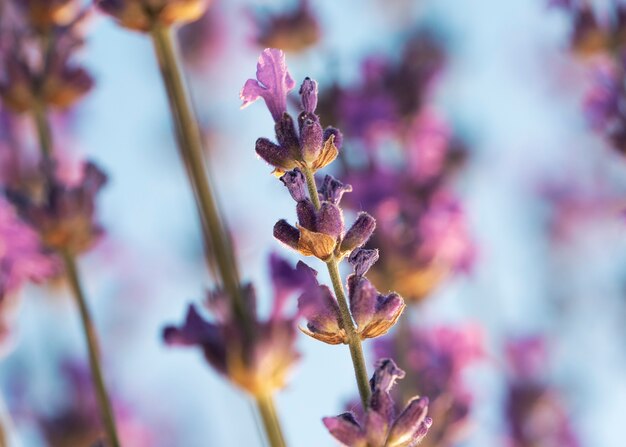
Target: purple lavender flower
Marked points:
535	411
311	147
373	313
272	83
434	361
294	30
65	219
142	15
259	362
381	426
22	257
320	233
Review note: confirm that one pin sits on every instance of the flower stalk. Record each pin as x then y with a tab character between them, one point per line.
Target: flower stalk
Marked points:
214	229
354	341
71	271
271	423
190	148
73	277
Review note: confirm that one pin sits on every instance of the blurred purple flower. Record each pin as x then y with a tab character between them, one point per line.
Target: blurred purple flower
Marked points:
259	362
293	30
435	360
31	73
21	254
535	411
381	426
65	218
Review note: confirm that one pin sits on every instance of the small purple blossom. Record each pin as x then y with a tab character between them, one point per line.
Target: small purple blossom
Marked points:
22	256
65	219
258	362
536	412
381	426
272	83
292	30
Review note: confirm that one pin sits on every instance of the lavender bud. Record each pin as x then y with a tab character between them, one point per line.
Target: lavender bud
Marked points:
307	217
359	233
308	94
362	260
332	190
286	234
311	136
330	220
275	155
411	423
286	135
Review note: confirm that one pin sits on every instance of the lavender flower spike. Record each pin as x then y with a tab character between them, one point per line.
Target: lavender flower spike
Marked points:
272	83
381	427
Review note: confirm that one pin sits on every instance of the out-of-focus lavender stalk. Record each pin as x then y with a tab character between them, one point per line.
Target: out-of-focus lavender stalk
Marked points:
36	94
40	117
158	21
190	145
354	341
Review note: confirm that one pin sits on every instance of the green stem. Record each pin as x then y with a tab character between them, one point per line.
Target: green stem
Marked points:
354	341
267	410
215	231
106	410
190	148
44	133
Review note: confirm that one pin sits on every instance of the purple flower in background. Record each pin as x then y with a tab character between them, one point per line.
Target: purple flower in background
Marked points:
435	360
30	72
21	254
293	30
142	15
381	425
272	83
259	362
535	411
65	218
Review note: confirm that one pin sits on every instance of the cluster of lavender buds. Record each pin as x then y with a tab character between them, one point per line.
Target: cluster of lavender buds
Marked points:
293	30
382	425
601	42
434	360
535	411
422	230
332	318
258	359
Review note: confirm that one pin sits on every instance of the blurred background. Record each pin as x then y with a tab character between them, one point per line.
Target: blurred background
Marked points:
540	193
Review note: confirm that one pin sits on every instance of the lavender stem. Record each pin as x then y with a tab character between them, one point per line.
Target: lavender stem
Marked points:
73	277
270	420
354	341
190	148
215	231
45	142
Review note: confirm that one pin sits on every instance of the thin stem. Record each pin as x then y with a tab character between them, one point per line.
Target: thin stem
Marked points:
354	341
43	129
265	404
106	410
190	148
215	230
